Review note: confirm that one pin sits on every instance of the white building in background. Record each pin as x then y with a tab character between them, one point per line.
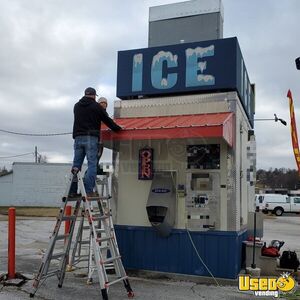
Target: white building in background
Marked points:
31	184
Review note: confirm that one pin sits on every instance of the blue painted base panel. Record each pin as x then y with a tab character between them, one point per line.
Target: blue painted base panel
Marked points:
142	249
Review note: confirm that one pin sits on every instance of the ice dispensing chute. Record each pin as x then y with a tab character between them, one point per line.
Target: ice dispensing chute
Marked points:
162	201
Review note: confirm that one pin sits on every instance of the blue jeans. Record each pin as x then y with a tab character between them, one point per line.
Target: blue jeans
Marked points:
86	145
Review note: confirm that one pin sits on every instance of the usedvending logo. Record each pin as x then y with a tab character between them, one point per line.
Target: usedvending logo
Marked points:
268	286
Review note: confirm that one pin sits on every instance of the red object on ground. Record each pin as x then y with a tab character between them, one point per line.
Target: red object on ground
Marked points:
11	243
213	125
68	222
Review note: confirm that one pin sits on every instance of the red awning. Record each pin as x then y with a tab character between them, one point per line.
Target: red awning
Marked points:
214	125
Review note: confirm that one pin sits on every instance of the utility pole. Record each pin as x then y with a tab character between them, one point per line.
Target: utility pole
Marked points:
36	154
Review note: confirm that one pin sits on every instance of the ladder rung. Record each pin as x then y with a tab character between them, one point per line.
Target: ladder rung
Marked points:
51	273
84	255
109	260
68	218
97	198
104	248
101	230
84	242
74	199
115	281
61	237
103	217
105	197
99	240
110	267
57	255
87	227
77	261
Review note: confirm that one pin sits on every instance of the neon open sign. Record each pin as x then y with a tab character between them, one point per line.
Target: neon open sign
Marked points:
146	164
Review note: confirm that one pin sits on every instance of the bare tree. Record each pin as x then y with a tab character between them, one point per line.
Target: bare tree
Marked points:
42	159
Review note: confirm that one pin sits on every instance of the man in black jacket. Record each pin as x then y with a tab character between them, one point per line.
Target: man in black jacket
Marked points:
88	115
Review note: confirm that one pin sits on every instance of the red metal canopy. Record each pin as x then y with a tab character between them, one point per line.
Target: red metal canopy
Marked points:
214	125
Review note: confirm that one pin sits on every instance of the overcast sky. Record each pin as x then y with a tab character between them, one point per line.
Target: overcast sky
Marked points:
52	50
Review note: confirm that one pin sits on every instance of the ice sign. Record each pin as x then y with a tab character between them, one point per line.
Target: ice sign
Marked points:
194	64
170	79
165	68
187	68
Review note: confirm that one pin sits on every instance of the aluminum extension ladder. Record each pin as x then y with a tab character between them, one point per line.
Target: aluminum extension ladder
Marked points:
82	251
56	258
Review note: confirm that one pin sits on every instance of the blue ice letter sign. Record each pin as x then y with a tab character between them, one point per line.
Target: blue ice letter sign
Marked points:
137	72
193	65
159	79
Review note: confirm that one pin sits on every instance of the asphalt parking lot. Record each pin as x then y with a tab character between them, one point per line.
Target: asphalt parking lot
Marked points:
32	239
285	228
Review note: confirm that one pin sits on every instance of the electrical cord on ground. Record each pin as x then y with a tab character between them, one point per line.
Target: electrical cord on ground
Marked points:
35	134
24	154
201	258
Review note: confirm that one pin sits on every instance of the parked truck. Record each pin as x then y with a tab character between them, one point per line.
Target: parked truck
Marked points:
280	205
262	199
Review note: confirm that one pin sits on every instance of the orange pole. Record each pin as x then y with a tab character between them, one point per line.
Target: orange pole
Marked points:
11	242
68	222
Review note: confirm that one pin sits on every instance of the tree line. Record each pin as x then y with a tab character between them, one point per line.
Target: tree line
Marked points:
278	178
272	178
3	171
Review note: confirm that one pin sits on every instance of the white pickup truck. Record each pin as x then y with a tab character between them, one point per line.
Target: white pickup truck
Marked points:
287	205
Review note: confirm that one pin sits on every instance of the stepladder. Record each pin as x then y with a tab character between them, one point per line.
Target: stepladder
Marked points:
89	241
83	251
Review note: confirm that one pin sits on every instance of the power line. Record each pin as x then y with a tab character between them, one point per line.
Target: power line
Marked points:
3	157
35	134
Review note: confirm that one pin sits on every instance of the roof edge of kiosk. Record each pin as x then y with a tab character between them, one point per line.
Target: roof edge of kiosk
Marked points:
211	125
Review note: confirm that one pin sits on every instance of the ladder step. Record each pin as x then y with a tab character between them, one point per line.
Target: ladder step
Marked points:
58	255
102	230
61	237
51	273
99	240
73	199
81	259
103	217
110	260
110	267
68	218
86	227
84	242
97	198
105	248
115	281
105	197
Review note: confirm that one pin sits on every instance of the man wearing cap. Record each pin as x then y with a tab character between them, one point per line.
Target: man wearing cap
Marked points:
88	115
103	103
